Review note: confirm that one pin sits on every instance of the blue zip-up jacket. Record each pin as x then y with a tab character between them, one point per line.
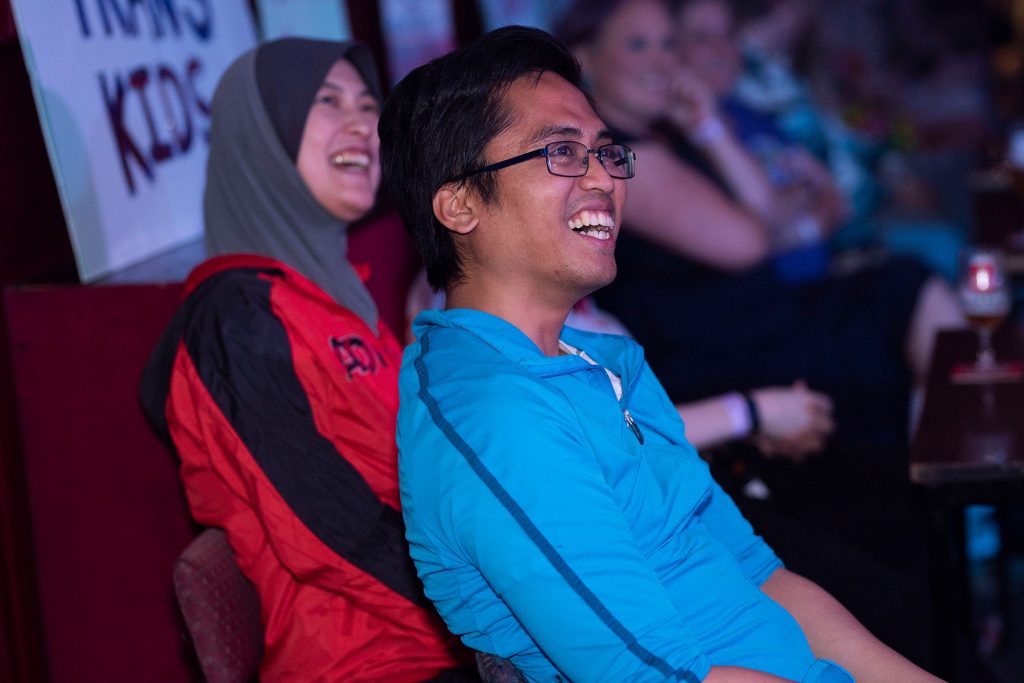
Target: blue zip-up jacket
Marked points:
576	534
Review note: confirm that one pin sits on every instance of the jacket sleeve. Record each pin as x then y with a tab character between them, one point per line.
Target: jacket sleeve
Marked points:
244	428
721	516
727	523
519	495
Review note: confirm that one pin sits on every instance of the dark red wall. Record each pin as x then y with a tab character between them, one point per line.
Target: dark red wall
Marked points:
107	513
34	247
6	21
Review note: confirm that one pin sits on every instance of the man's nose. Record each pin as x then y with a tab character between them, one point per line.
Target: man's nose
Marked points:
597	176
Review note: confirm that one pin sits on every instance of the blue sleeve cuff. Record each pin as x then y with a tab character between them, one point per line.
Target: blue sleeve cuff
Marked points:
824	671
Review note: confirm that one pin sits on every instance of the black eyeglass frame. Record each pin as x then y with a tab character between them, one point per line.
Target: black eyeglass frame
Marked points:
630	159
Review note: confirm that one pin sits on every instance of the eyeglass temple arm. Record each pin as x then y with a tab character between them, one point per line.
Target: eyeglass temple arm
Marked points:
501	164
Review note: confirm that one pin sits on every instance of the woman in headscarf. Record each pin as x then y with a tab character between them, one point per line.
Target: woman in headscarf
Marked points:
277	383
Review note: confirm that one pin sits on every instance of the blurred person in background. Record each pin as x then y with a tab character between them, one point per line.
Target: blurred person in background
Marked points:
697	243
848	82
807	204
697	287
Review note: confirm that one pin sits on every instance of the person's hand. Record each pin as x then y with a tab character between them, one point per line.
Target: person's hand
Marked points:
691	102
799	164
795	421
822	196
792	203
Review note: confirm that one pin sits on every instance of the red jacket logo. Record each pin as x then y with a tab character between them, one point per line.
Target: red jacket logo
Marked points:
356	357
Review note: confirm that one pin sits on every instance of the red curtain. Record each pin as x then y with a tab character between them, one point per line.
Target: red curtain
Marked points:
35	248
107	514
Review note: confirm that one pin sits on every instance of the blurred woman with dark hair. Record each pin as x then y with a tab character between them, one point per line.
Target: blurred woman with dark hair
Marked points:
697	287
695	283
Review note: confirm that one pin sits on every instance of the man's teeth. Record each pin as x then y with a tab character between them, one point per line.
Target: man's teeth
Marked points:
599	233
351	158
596	224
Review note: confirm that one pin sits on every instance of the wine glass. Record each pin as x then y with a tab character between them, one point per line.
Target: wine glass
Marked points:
985	298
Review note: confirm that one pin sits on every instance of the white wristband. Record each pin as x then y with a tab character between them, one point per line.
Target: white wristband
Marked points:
807	229
735	407
707	131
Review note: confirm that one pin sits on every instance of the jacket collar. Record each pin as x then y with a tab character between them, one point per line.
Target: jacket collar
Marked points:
618	354
219	264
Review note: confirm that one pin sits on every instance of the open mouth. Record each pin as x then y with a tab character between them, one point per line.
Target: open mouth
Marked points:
596	224
350	158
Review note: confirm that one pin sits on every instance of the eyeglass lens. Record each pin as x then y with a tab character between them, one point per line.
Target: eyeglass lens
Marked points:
572	159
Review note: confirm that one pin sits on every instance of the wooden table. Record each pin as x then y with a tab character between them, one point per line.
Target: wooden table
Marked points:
968	448
970	435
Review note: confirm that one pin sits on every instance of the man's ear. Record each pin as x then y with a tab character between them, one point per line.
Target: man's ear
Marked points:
453	207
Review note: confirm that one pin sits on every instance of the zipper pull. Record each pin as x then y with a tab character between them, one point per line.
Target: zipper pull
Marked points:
633	425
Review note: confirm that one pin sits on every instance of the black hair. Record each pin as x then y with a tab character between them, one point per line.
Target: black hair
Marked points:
438	120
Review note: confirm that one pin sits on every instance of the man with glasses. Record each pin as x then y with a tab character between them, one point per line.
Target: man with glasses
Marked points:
555	511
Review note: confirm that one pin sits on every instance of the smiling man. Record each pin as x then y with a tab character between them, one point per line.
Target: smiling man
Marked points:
555	511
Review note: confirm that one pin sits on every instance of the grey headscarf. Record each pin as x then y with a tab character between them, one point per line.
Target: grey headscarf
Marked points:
256	202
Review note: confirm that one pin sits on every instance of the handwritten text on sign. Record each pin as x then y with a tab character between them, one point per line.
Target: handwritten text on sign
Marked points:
123	89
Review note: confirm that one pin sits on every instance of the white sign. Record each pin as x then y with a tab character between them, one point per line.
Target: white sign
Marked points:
327	19
123	89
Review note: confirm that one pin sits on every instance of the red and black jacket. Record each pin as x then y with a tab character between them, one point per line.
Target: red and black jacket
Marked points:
281	405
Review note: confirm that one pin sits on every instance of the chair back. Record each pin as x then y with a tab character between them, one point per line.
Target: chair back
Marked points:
221	609
494	669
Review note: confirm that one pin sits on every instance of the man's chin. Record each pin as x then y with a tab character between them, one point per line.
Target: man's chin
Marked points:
600	281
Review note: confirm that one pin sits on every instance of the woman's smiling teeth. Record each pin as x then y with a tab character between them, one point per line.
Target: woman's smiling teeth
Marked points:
350	158
597	224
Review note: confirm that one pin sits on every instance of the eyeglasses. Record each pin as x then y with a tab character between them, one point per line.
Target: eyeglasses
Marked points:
571	159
